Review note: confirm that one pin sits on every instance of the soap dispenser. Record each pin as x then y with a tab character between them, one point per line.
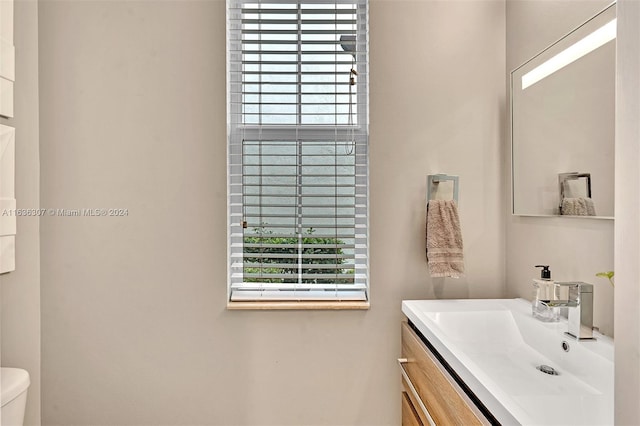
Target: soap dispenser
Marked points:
544	290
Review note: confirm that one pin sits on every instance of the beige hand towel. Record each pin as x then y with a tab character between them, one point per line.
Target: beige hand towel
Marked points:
579	206
444	239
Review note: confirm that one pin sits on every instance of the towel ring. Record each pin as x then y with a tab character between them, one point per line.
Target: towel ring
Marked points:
564	177
434	180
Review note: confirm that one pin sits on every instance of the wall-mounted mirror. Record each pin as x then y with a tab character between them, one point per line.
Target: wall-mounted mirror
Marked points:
563	124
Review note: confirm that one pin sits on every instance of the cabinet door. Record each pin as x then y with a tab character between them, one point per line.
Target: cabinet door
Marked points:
445	401
409	413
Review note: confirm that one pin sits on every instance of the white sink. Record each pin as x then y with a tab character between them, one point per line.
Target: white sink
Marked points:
495	345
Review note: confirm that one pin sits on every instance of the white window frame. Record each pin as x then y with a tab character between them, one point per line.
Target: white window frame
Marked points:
300	295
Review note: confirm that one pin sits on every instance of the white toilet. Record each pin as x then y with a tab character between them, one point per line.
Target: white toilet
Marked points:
14	383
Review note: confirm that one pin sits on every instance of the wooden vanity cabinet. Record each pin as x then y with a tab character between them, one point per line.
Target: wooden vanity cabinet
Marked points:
410	416
430	395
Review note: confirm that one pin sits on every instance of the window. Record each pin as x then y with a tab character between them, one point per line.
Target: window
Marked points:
297	150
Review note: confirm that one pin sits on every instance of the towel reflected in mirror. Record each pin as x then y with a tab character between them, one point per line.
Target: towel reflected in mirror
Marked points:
578	206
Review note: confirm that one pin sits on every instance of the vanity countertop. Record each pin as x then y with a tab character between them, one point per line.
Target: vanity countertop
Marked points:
495	347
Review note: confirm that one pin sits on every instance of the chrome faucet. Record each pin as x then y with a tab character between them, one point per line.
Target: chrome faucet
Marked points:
580	303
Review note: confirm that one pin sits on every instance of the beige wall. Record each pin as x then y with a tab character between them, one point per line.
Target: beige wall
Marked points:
20	290
627	241
135	329
576	249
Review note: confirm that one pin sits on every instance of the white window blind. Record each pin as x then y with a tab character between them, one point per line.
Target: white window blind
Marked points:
298	149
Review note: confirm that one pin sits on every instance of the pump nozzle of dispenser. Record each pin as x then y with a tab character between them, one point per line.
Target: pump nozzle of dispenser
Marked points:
545	273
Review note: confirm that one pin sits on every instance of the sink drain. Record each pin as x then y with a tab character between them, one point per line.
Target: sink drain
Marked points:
548	370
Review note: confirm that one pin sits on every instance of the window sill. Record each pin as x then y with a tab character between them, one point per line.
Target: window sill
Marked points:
300	306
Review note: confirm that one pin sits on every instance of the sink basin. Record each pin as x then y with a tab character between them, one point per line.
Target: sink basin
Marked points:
498	349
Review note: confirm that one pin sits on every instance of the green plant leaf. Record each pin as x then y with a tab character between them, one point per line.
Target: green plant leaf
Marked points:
609	275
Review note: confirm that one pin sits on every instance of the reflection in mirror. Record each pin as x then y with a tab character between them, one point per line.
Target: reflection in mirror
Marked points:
563	123
575	194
